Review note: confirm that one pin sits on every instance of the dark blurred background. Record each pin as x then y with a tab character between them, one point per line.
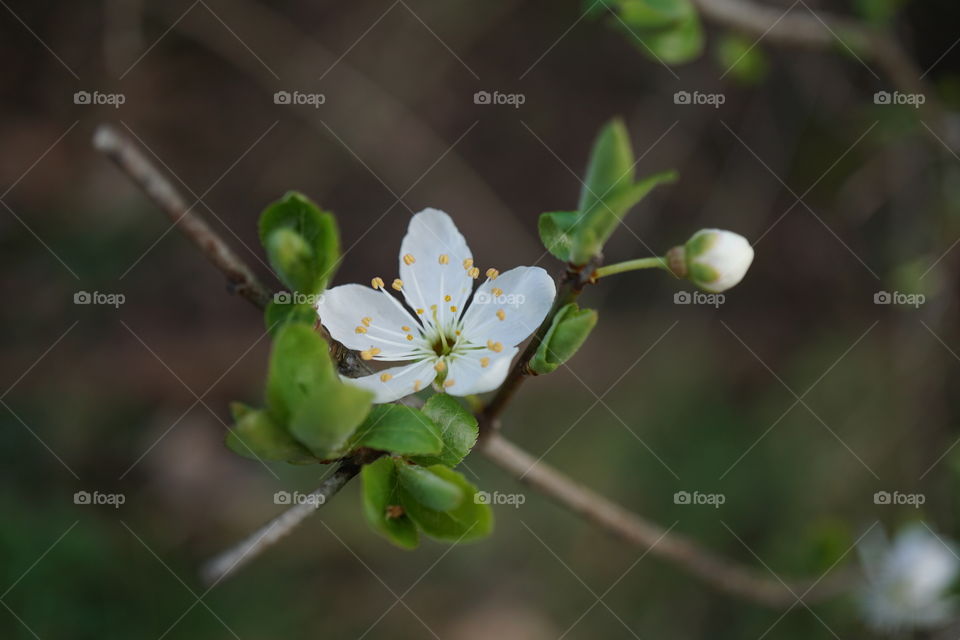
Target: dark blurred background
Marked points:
797	399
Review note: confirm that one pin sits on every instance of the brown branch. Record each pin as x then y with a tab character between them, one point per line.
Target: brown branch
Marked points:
721	573
132	161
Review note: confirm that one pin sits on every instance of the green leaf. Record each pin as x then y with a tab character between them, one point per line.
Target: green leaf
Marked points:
458	429
654	14
299	364
570	328
676	45
741	58
566	239
428	488
611	165
326	420
668	31
399	429
382	505
256	436
468	521
600	223
302	242
281	311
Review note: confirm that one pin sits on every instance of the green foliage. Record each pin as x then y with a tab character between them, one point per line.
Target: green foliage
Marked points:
310	415
399	429
381	504
878	12
255	435
458	430
468	521
302	243
282	311
570	328
428	488
742	58
666	30
609	191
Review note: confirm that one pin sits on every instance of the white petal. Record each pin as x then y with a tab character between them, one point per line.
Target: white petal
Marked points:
525	296
396	382
477	371
432	258
363	318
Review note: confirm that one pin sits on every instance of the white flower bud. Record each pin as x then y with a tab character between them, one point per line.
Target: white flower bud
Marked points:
712	259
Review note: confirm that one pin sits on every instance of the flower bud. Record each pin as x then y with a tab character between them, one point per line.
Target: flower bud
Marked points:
712	259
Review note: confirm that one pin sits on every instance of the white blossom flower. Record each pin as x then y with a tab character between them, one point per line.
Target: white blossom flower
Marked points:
716	260
460	340
908	580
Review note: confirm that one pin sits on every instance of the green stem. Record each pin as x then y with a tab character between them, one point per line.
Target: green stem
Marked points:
654	262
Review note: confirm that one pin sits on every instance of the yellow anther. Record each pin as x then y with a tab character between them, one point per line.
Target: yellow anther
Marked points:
447	298
453	308
494	346
405	329
441	366
366	321
492	274
448	383
397	284
433	307
468	263
408	259
457	332
501	314
420	312
484	362
361	329
497	292
444	259
377	283
473	272
369	353
416	385
385	377
409	337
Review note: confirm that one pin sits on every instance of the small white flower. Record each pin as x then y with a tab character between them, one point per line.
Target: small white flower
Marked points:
716	260
451	336
908	580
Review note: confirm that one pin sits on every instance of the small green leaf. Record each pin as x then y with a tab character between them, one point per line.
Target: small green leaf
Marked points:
570	328
382	506
600	222
458	429
299	364
399	429
428	488
302	242
469	521
610	168
668	31
326	420
256	436
280	312
566	238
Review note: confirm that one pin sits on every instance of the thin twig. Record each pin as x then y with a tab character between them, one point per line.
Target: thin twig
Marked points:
148	177
229	561
723	574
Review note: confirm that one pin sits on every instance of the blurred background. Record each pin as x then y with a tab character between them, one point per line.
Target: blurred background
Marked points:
797	399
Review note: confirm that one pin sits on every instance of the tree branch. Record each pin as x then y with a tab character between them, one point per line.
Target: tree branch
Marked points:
722	574
132	161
